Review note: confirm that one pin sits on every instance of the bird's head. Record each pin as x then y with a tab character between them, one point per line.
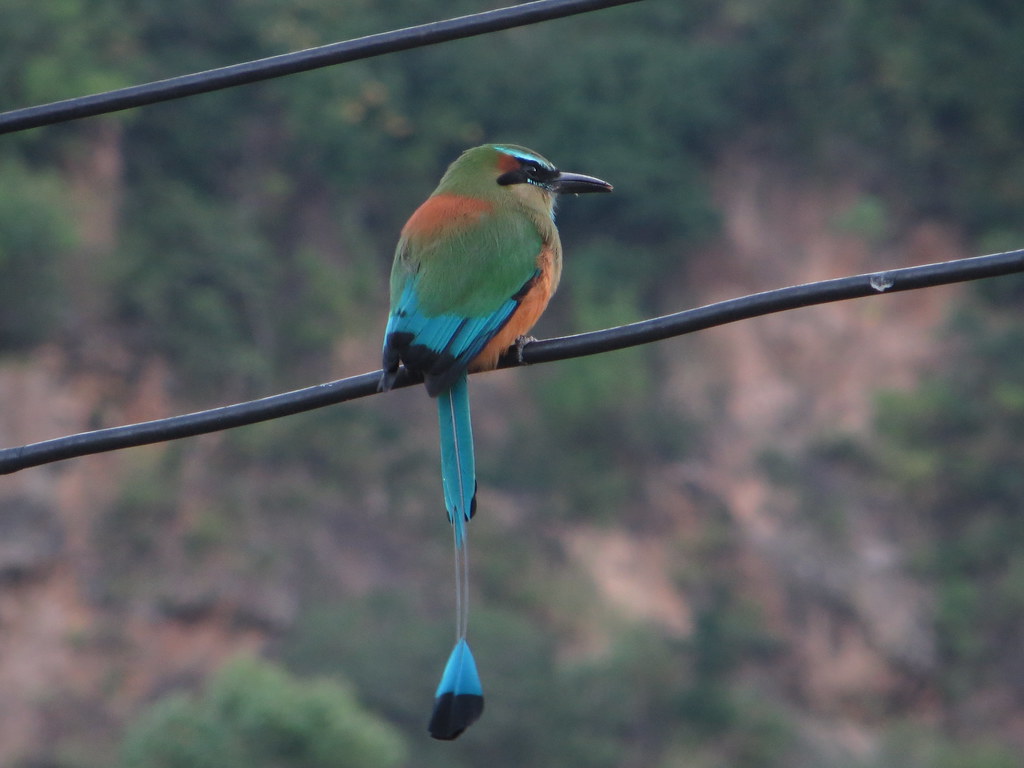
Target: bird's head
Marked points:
496	170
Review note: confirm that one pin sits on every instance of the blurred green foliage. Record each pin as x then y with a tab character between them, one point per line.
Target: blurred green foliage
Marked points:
35	236
644	699
911	746
255	715
899	89
62	49
290	194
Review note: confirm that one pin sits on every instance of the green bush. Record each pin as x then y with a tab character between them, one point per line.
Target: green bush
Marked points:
255	715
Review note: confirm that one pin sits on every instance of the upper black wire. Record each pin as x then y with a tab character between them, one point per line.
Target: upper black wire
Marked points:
644	332
298	61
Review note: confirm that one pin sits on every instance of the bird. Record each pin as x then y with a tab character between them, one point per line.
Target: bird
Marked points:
474	268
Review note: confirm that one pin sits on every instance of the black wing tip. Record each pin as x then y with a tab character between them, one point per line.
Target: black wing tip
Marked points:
443	375
390	360
454	713
435	384
438	370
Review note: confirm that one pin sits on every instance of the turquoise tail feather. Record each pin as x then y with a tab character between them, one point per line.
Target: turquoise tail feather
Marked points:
459	700
458	464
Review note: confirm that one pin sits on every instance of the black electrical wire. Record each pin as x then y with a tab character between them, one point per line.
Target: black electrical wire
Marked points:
595	342
778	300
298	61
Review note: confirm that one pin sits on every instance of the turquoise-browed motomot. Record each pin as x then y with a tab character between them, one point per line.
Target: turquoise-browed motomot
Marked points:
474	269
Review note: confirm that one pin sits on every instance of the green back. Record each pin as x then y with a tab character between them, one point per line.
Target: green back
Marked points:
474	270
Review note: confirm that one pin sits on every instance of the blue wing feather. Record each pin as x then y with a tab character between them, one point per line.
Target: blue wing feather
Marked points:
449	333
440	346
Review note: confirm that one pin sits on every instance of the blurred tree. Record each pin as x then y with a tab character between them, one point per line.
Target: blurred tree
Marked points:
254	715
900	89
61	49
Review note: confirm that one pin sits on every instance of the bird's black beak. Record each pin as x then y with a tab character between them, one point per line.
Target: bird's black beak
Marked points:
576	184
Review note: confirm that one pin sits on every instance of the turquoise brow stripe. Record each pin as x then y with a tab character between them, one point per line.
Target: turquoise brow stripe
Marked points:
525	156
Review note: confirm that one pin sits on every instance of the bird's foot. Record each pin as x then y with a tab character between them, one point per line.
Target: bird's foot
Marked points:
521	343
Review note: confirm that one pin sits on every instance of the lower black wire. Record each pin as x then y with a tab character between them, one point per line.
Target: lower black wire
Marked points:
595	342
